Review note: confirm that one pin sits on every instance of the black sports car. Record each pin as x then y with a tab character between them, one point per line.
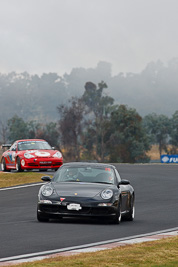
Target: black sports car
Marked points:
86	189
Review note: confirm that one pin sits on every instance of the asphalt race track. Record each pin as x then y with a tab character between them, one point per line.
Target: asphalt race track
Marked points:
156	188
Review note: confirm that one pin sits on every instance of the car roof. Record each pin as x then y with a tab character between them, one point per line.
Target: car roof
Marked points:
23	140
88	164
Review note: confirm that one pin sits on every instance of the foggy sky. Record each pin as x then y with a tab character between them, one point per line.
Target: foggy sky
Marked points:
40	36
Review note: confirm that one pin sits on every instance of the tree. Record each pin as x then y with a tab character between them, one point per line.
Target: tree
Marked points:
33	128
17	128
71	127
158	129
174	133
99	108
127	140
94	99
48	132
3	131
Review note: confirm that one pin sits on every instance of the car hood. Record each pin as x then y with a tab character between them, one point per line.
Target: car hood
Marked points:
80	189
39	153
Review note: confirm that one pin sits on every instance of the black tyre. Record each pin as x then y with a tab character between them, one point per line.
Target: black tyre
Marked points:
3	166
131	214
40	218
18	165
117	218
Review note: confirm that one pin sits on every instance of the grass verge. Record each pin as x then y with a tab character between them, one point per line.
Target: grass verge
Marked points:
163	252
12	179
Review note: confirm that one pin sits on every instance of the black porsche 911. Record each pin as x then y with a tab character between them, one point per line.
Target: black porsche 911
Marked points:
86	190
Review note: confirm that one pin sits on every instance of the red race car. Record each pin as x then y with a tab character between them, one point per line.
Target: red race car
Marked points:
30	154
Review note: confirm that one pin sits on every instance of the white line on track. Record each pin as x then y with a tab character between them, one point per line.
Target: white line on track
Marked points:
91	247
20	186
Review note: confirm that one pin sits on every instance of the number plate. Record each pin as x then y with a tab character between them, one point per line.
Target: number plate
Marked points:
45	162
74	206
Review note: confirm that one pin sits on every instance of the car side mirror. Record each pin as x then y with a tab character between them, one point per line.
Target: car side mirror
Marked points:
124	182
46	178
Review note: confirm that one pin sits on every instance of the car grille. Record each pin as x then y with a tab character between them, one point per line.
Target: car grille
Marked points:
32	164
85	210
62	209
45	163
57	163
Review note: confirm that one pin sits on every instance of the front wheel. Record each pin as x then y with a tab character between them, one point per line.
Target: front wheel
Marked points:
117	218
131	214
18	165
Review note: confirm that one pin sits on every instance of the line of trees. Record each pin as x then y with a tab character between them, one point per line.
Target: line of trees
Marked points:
35	97
92	127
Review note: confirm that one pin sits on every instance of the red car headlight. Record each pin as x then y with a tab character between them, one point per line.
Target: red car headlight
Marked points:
57	155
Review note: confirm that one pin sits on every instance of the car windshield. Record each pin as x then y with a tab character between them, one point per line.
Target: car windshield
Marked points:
33	145
88	174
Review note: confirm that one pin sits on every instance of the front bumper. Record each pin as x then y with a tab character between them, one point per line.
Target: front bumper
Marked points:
60	210
41	163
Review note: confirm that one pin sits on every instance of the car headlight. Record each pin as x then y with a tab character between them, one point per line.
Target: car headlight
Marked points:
107	194
47	191
28	156
57	155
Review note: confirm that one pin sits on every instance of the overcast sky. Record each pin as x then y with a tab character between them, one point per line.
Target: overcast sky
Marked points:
40	36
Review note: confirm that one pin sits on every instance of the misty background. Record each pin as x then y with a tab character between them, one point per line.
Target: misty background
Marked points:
50	49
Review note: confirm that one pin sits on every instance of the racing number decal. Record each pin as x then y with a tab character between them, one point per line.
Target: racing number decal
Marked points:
42	154
13	156
10	157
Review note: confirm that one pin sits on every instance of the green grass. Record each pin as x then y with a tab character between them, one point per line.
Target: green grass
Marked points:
161	253
16	178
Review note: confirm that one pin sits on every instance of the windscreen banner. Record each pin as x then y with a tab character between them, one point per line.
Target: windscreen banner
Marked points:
169	158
